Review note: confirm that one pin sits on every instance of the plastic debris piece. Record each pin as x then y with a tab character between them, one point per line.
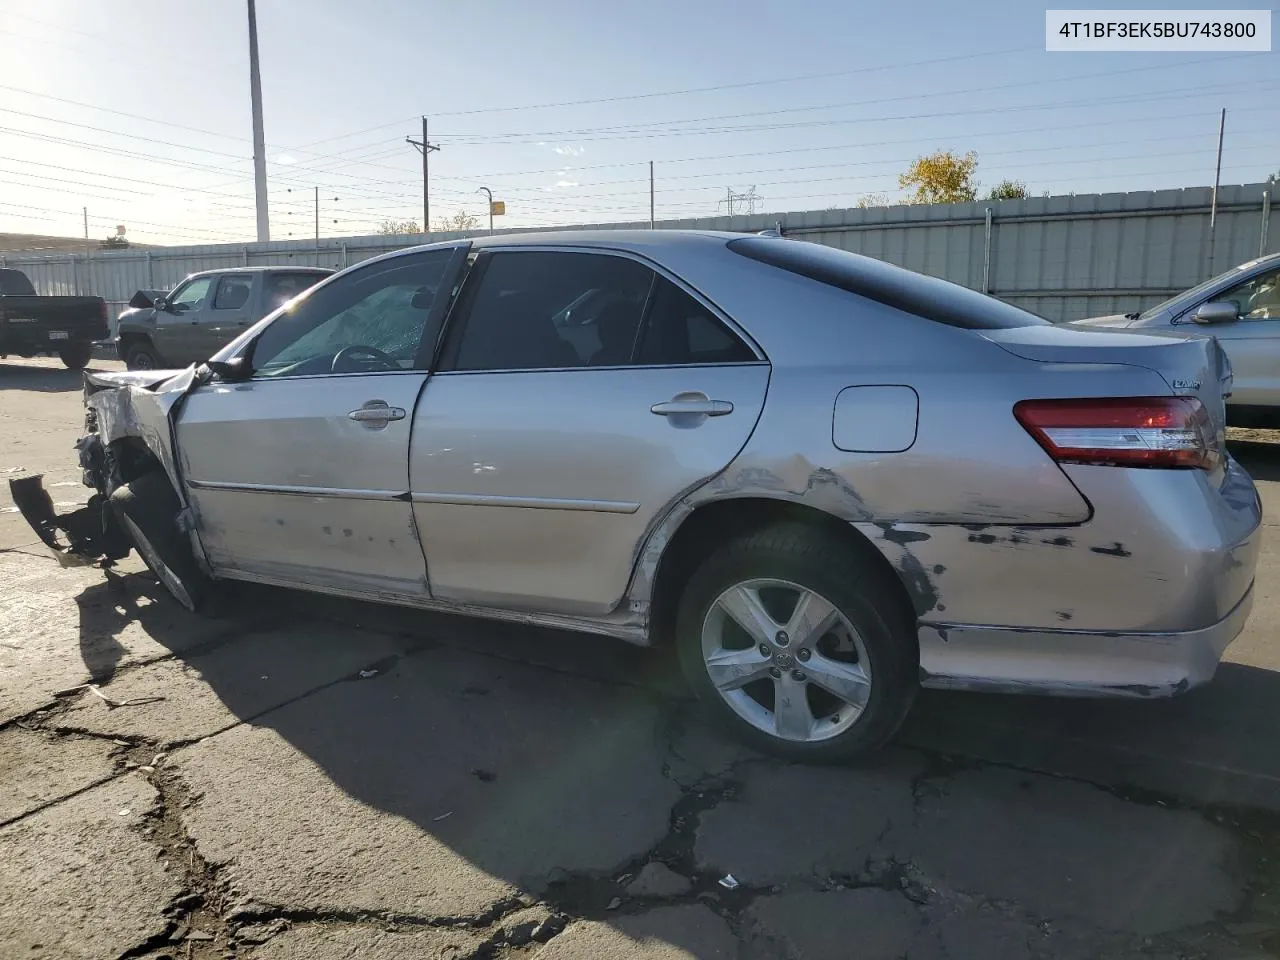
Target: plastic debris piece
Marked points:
614	904
728	882
366	674
442	816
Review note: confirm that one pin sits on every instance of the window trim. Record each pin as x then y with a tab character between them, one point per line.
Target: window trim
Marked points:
456	322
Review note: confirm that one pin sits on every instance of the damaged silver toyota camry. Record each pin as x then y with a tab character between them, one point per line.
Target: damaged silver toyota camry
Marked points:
828	481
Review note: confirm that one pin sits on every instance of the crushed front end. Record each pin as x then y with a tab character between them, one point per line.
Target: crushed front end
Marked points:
108	455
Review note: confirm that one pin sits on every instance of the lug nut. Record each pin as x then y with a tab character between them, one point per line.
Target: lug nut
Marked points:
765	651
781	638
803	654
775	673
797	675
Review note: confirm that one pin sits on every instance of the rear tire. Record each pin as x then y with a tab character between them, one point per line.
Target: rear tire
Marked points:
76	356
141	355
147	510
865	647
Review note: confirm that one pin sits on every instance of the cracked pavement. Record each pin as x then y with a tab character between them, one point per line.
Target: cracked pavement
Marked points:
304	778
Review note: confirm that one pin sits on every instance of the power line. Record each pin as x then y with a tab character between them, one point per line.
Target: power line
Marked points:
840	105
630	133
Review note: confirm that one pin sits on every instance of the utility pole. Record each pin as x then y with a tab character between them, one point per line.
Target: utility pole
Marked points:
259	138
425	147
86	231
317	218
488	193
650	194
1213	206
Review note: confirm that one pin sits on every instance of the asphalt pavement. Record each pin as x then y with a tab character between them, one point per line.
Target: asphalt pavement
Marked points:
305	778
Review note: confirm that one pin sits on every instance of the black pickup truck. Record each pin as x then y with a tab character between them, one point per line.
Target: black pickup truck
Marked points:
65	326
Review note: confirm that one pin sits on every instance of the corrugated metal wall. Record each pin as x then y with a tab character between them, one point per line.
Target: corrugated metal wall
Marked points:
1062	257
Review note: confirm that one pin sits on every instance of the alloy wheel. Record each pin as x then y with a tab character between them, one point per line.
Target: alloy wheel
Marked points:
786	660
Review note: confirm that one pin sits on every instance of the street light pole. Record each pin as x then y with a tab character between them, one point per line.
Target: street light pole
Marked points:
259	137
488	193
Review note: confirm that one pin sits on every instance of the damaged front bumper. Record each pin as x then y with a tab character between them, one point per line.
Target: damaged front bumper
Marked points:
84	536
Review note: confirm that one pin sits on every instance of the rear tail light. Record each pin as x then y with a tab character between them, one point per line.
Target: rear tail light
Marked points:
1170	432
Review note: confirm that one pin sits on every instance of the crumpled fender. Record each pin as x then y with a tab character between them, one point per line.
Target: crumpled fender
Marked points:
131	405
130	410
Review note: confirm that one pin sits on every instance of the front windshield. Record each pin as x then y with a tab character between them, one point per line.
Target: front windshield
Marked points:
1189	295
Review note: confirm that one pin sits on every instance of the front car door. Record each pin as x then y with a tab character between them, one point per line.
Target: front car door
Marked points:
579	394
178	330
1252	342
300	475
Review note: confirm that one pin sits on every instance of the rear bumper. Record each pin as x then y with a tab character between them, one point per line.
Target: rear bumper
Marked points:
1075	663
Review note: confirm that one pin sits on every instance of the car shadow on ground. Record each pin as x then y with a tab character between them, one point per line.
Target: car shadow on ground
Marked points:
16	374
533	760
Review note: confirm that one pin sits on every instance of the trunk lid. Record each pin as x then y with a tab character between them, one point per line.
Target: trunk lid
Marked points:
1192	367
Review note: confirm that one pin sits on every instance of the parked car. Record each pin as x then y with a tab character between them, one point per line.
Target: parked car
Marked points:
31	325
203	313
1241	309
825	479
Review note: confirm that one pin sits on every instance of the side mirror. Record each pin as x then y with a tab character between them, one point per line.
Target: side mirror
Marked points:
237	368
423	299
161	304
1216	311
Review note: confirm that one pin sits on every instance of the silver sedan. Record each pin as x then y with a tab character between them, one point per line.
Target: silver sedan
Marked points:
826	480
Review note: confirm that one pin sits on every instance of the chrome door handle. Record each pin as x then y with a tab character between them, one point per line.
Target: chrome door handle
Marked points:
686	408
376	411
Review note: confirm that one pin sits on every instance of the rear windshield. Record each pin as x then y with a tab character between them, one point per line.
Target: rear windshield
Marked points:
926	297
14	283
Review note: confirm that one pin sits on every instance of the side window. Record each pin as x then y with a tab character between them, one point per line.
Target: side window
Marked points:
190	295
371	320
283	287
537	310
1256	299
233	292
679	330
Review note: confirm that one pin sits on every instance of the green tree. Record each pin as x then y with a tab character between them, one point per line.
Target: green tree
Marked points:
872	200
390	227
941	177
1009	190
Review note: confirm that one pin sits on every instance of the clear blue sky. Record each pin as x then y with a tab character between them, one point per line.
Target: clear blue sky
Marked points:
344	83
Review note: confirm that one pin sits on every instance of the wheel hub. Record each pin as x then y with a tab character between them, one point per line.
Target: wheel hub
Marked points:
818	692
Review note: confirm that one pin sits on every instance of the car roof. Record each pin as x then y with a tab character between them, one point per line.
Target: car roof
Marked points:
636	240
274	267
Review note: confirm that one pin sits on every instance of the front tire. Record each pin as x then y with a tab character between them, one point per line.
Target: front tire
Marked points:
141	355
802	645
76	356
147	510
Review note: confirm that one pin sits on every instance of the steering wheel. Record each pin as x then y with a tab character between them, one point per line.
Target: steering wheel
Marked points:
355	350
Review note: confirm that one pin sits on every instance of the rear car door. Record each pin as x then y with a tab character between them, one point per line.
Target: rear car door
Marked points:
300	475
177	333
229	313
578	395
